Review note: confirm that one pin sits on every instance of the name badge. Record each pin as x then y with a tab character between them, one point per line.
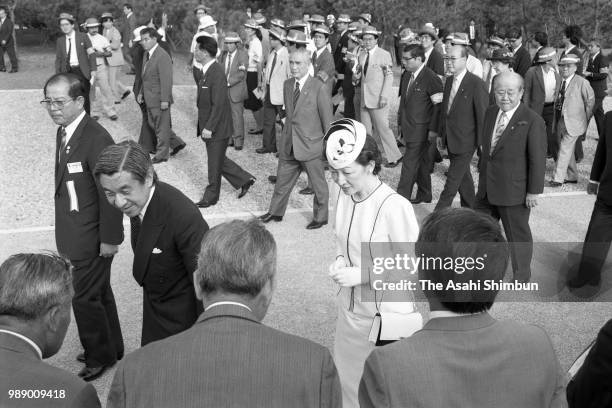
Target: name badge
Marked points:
75	167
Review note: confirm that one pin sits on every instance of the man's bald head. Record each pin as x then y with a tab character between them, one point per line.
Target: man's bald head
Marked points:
457	55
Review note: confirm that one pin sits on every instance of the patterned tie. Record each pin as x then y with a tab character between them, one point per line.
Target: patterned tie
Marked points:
367	62
560	97
68	54
453	92
296	94
135	225
501	126
273	65
146	60
63	135
410	80
229	64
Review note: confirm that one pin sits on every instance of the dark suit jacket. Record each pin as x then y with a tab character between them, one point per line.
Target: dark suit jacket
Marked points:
78	233
227	359
339	55
592	385
325	63
436	62
127	30
165	257
518	163
6	31
522	61
307	122
601	170
137	53
535	93
468	361
418	114
214	112
461	127
157	78
598	80
237	77
22	369
87	62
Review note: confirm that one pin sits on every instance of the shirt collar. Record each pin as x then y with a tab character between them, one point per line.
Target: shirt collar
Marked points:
227	303
428	53
373	49
567	81
207	65
72	35
26	339
129	14
73	125
144	209
509	114
152	50
436	314
596	54
460	76
320	51
302	81
418	71
516	49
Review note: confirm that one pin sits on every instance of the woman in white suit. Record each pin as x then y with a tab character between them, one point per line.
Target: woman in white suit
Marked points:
116	61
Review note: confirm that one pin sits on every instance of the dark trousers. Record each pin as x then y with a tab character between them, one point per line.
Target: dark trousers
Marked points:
147	138
548	113
578	150
348	92
128	55
9	48
597	241
598	114
459	179
269	123
219	165
161	122
515	220
415	168
287	174
86	85
95	311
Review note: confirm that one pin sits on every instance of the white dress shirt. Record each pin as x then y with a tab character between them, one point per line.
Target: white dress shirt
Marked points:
509	115
99	44
24	338
227	303
144	209
74	59
255	54
550	83
474	65
73	125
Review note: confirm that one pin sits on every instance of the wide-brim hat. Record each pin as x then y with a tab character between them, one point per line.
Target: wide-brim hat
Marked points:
296	24
66	16
429	30
353	26
201	7
107	15
91	22
251	23
344	18
296	36
545	54
569	59
343	142
278	33
460	39
259	18
322	30
277	22
503	55
317	18
495	40
367	17
231	37
206	21
407	36
137	32
370	30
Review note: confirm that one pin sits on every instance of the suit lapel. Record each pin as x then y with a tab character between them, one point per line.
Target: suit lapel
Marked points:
151	228
540	77
512	124
303	93
460	91
71	146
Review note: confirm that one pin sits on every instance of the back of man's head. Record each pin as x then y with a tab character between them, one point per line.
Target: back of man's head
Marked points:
237	261
461	246
35	297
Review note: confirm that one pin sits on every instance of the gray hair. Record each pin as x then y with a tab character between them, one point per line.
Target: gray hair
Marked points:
31	284
237	257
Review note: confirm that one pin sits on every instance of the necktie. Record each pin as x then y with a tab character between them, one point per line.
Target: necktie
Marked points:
68	54
229	65
314	58
501	126
560	97
365	66
453	92
62	132
410	80
146	59
273	64
135	224
296	94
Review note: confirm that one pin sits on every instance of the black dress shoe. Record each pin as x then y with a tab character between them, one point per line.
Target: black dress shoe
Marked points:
306	191
570	181
553	183
583	280
205	203
2	69
238	148
267	217
262	150
255	131
95	117
80	357
391	165
245	188
230	143
419	201
91	373
114	117
157	160
272	179
125	94
177	149
316	224
12	71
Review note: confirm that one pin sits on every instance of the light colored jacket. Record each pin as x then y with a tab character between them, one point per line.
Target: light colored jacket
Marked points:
577	105
278	77
378	79
114	37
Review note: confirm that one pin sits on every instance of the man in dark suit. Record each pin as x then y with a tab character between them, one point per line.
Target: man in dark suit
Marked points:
166	233
88	230
419	123
309	113
542	83
462	113
433	59
539	41
512	168
156	92
599	234
522	58
464	357
215	124
6	41
75	54
127	32
35	295
597	73
228	358
339	52
591	386
322	60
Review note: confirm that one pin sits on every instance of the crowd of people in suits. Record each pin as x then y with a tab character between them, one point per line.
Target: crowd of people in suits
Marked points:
206	291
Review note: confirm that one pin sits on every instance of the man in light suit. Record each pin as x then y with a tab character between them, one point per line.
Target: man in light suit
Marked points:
322	59
88	230
512	167
6	41
418	117
156	92
542	83
35	295
228	358
463	356
166	231
235	61
215	124
276	73
309	113
462	113
376	74
116	60
573	110
75	54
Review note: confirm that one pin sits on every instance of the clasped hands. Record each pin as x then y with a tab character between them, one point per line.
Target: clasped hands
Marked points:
346	276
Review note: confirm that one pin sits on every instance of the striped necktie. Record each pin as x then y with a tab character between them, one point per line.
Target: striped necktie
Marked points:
499	129
296	94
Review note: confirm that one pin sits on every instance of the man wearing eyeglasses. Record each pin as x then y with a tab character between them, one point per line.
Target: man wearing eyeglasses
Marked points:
88	230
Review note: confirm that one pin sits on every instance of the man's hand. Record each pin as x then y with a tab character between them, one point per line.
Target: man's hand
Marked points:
206	134
139	99
164	106
3	42
108	250
347	276
592	188
382	102
532	200
440	143
432	136
130	43
336	265
93	78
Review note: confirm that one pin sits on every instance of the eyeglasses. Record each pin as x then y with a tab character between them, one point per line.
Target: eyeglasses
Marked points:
55	104
408	59
510	93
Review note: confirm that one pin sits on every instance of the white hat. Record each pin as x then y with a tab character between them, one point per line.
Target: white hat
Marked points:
137	32
344	141
206	21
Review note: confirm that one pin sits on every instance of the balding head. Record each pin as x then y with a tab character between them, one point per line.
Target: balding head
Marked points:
508	87
457	55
